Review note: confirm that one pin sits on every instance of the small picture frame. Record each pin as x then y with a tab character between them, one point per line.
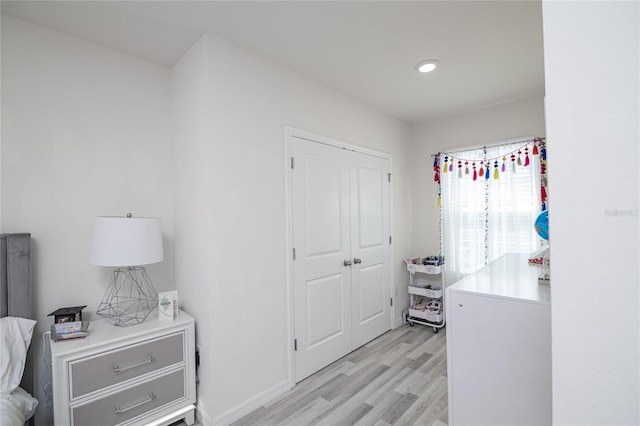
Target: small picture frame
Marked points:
168	305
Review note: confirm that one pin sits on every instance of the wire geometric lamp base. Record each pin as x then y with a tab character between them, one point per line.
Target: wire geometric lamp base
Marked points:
130	297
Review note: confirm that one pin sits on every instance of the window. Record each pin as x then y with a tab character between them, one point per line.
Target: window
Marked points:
483	219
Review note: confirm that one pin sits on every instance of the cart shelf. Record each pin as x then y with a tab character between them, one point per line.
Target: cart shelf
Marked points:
426	293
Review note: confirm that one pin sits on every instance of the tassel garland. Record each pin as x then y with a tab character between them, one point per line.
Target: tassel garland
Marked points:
477	168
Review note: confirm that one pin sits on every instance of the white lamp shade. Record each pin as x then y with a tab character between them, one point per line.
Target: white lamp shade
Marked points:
126	241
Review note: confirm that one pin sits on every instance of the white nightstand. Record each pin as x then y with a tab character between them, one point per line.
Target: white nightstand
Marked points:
126	375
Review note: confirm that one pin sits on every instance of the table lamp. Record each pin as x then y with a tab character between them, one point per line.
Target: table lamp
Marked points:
127	243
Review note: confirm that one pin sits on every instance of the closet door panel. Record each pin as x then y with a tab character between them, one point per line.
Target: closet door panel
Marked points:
370	249
321	235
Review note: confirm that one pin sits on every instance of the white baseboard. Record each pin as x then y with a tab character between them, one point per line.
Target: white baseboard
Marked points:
251	404
398	322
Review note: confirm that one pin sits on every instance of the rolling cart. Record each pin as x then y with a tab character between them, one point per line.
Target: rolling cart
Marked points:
426	294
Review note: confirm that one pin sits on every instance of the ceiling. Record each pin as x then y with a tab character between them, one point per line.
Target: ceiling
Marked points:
490	52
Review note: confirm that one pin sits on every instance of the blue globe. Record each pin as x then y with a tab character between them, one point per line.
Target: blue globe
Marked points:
542	225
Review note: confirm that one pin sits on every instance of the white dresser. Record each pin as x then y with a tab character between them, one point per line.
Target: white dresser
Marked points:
126	375
499	346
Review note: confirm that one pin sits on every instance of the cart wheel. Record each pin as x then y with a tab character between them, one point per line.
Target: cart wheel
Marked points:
435	329
411	323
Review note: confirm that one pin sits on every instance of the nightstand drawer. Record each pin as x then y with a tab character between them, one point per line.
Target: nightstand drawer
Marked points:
128	403
110	368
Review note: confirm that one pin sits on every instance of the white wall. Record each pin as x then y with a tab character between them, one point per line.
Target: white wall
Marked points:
85	133
194	211
522	118
240	258
591	66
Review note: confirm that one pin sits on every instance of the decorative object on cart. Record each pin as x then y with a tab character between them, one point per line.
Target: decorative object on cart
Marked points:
70	314
541	226
127	243
426	293
429	260
168	305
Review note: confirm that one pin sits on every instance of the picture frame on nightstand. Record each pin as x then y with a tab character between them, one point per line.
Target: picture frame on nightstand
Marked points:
168	305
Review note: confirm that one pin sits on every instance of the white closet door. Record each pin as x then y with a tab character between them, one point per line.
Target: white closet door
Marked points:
321	235
341	271
370	249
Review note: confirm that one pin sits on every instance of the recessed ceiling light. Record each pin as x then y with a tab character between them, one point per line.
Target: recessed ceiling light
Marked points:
427	66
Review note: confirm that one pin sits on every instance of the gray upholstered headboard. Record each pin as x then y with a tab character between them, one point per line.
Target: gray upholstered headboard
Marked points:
15	287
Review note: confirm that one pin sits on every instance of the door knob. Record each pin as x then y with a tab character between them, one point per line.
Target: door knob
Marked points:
347	263
356	260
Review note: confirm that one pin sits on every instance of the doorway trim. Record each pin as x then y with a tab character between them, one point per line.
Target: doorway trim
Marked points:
291	132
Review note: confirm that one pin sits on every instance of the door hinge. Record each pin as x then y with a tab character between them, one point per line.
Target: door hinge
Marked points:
389	239
391	301
389	175
294	253
295	344
293	163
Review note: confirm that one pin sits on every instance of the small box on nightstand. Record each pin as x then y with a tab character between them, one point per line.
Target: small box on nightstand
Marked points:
71	314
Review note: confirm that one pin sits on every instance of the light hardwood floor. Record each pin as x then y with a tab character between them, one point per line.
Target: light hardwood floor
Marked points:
400	378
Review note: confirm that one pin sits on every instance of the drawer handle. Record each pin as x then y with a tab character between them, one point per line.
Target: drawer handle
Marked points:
125	408
147	360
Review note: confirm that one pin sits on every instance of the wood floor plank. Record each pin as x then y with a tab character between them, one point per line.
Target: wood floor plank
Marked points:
312	382
398	379
394	413
344	402
430	415
394	354
309	414
411	382
430	345
252	418
388	400
348	414
439	357
417	363
426	399
379	394
360	382
334	387
388	336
